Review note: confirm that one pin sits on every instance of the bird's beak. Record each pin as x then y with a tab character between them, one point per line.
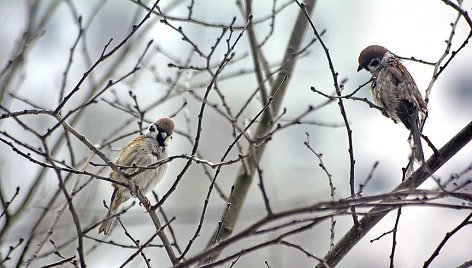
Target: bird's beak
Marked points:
360	67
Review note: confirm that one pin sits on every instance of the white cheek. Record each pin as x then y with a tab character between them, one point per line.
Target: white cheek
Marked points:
372	69
168	140
385	59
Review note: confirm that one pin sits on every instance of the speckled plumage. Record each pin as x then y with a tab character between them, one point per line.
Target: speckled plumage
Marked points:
142	151
395	91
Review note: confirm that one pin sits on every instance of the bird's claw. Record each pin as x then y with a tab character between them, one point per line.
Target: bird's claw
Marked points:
147	202
132	188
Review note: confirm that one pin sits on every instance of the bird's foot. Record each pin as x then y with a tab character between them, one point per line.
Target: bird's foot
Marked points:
132	188
147	202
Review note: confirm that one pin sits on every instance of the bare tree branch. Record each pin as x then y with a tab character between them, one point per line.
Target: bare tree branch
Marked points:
436	161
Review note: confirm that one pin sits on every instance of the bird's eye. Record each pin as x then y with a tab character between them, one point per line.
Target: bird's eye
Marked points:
152	128
374	62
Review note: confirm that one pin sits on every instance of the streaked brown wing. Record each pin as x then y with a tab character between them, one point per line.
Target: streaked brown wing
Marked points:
133	153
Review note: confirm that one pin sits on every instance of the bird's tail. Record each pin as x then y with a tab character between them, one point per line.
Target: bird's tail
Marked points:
417	147
108	222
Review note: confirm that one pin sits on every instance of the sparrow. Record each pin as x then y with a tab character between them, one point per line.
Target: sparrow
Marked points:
142	151
394	90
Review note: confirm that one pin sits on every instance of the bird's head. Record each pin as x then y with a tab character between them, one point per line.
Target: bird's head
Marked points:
161	130
372	58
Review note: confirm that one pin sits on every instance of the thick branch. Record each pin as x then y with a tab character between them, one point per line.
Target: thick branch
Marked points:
159	229
436	161
244	179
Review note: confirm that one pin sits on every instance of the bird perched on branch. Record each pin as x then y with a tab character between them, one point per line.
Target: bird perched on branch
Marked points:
141	152
394	90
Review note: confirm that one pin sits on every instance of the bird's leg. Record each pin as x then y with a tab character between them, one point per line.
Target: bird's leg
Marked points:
132	187
147	203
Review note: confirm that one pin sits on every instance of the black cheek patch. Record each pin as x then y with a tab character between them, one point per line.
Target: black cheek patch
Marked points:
160	139
374	62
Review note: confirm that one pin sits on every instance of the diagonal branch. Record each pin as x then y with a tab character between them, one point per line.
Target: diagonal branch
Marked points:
354	235
244	179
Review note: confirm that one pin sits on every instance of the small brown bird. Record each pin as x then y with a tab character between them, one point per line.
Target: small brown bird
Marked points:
142	151
395	91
